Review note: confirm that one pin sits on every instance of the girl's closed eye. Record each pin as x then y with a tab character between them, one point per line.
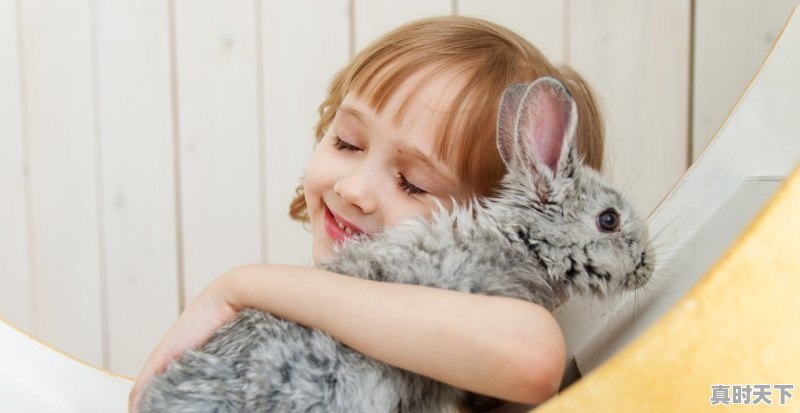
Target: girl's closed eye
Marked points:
341	145
408	187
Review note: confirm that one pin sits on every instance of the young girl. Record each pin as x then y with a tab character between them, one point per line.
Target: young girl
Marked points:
408	123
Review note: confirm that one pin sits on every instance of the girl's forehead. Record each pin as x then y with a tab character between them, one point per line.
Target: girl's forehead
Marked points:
425	94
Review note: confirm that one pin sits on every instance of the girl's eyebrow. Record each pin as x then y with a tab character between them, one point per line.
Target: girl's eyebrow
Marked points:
420	156
353	112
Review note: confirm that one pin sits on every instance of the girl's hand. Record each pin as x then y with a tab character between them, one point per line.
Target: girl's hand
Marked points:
209	311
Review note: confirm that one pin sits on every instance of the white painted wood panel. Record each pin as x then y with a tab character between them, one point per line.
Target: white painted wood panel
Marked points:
636	56
540	21
732	38
138	190
301	53
15	288
60	108
219	140
373	18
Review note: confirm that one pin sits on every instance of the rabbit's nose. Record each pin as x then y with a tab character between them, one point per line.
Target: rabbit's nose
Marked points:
643	270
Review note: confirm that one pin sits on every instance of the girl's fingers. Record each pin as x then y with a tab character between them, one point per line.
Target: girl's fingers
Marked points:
192	329
154	365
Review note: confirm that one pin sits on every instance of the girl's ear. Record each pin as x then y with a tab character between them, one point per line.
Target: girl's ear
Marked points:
507	123
545	130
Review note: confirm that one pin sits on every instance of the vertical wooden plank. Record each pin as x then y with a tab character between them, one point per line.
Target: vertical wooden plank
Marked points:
541	22
218	129
296	73
63	174
636	56
138	188
15	289
373	18
732	37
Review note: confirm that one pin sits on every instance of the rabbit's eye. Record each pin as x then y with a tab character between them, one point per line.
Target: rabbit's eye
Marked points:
608	220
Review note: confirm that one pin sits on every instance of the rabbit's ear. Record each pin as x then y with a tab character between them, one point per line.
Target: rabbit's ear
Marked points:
507	122
545	130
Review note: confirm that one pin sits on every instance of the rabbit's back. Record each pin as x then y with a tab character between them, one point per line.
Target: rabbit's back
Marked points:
470	250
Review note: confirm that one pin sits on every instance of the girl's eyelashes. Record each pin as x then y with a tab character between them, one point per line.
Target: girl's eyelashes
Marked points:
408	187
341	145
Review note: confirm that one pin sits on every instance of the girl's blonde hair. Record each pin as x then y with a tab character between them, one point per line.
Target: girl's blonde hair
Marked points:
489	58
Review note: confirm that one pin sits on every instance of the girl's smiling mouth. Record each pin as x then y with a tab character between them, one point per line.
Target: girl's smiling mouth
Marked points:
338	228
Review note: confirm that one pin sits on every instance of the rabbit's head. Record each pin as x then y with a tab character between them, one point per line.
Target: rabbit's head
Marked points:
583	231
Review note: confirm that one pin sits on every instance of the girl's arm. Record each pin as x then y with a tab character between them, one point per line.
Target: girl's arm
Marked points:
501	347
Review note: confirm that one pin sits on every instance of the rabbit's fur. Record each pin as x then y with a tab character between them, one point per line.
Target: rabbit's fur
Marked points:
538	239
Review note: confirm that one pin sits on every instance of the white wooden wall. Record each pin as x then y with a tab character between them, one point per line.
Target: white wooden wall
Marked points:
146	147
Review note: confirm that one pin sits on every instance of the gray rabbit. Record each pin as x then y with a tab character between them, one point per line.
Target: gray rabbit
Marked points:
554	229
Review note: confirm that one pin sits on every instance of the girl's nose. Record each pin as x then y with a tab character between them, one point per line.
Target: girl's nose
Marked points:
356	189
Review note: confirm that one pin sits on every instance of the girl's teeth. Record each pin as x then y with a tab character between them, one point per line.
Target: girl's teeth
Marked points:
341	226
346	230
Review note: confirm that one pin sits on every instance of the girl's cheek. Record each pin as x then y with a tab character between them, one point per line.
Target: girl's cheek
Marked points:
317	178
320	167
403	206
